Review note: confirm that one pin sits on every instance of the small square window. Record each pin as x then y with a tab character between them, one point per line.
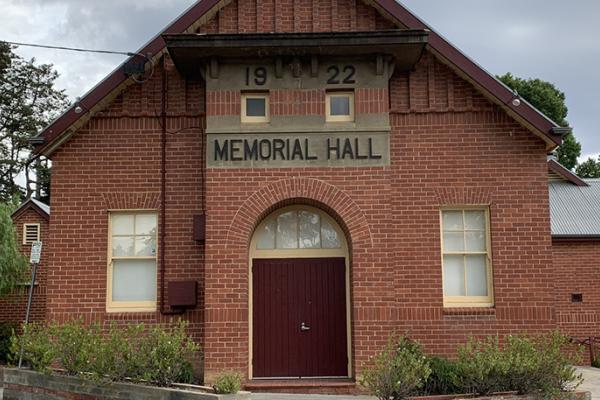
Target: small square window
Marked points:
340	107
255	108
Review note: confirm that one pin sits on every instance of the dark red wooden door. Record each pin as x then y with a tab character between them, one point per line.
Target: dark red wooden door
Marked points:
299	318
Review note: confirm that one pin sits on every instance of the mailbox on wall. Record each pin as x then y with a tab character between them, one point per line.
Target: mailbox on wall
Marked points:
200	227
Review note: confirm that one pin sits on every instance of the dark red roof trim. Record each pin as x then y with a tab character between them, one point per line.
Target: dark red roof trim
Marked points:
27	206
559	169
452	54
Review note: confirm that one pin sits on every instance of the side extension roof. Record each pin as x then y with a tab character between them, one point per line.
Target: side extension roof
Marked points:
64	126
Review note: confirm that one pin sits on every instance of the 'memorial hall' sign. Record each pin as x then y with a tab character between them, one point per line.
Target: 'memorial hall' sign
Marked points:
289	150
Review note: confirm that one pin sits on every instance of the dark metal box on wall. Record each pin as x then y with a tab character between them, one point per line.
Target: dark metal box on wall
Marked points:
183	294
200	227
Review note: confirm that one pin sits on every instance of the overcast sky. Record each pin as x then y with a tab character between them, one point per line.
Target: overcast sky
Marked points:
554	40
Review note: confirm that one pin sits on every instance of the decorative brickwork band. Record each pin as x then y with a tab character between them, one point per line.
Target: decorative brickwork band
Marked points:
131	201
300	190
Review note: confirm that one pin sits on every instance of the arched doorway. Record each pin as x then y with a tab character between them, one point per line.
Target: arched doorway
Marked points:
299	296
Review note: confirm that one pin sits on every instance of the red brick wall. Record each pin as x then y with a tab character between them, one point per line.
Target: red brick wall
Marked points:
13	306
449	145
577	266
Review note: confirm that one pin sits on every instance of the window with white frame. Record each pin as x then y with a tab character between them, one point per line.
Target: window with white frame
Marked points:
31	233
339	107
255	107
132	261
466	257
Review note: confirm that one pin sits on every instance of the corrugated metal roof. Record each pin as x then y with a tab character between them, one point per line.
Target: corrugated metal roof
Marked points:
575	210
45	207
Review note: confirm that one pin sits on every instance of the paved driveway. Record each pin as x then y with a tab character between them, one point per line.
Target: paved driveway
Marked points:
591	381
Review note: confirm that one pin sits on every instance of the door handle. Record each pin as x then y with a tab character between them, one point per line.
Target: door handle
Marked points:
304	327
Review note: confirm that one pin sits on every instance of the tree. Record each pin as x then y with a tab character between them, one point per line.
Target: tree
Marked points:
551	101
13	264
589	168
28	102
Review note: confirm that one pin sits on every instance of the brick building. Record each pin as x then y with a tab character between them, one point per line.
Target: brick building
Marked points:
299	180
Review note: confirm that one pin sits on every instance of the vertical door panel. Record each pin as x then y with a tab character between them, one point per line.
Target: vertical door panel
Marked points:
287	293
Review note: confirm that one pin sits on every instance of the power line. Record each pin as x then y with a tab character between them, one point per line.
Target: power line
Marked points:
43	46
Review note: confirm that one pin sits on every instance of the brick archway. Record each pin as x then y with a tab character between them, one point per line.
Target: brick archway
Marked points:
300	191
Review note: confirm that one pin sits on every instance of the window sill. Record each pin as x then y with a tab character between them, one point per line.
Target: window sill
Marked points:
475	311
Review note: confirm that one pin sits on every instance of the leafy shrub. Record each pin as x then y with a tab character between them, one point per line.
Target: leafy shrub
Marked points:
400	370
596	362
228	383
446	377
6	332
528	365
157	355
38	349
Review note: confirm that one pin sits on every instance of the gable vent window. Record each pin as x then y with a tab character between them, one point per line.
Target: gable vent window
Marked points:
31	233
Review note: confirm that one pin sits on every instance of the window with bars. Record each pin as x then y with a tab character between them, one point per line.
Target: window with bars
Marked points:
467	277
31	233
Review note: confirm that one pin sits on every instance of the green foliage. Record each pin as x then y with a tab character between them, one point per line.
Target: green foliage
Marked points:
28	102
528	365
228	383
552	102
13	265
596	362
589	168
445	378
39	350
6	332
156	355
399	371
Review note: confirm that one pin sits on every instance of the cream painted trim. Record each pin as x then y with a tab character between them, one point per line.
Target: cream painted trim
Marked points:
300	253
339	118
469	301
255	120
39	233
126	306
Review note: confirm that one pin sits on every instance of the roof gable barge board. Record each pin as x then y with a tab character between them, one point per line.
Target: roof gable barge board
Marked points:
527	115
40	208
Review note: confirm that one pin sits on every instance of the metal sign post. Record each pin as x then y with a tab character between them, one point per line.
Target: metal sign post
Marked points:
34	260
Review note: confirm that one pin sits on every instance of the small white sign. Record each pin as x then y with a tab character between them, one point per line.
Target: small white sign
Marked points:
36	252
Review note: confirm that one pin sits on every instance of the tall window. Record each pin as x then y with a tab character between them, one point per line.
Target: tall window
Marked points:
132	262
466	258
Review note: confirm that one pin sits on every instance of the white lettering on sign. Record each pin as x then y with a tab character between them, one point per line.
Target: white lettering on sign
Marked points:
36	252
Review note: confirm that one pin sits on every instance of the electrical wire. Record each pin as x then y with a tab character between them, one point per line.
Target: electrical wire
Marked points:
78	49
82	50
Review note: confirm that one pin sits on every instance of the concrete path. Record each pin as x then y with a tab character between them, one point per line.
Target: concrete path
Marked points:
275	396
591	381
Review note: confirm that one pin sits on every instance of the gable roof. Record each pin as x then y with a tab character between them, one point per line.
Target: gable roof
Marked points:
60	129
575	210
564	174
42	209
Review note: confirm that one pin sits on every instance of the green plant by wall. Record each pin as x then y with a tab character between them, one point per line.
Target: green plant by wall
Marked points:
445	378
399	371
228	383
6	332
157	355
540	365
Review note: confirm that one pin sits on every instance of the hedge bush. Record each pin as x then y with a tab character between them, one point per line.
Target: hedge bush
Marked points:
156	355
534	365
6	332
399	371
540	365
228	383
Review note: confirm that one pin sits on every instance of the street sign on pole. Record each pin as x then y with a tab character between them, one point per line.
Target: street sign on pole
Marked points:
36	252
34	260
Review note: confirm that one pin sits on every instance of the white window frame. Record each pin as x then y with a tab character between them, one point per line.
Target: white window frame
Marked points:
469	301
127	306
39	234
254	119
339	118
